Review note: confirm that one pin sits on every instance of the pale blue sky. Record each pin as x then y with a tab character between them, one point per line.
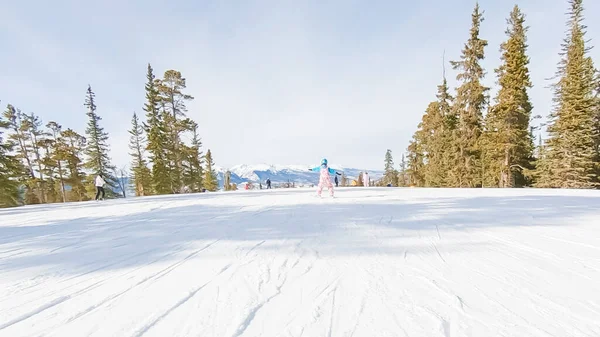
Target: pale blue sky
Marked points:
279	82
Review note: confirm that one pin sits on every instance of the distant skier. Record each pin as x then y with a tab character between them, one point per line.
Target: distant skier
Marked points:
366	179
100	186
336	181
268	183
325	177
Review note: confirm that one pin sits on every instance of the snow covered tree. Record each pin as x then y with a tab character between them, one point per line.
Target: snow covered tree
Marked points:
210	178
97	149
142	177
507	142
570	156
469	104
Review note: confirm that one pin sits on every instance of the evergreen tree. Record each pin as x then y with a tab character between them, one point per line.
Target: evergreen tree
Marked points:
157	136
569	153
170	89
402	181
58	157
390	174
50	167
31	125
10	170
97	149
142	177
597	120
16	123
470	101
72	147
192	166
443	159
359	180
416	164
210	179
507	141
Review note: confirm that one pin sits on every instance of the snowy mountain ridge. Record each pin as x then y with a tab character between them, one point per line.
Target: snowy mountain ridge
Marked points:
299	174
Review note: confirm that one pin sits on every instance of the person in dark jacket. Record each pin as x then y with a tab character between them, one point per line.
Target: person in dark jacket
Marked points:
268	183
336	181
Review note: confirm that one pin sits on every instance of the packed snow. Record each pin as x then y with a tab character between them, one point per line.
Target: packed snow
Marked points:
370	262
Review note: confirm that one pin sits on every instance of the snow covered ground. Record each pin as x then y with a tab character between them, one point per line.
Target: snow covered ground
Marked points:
372	262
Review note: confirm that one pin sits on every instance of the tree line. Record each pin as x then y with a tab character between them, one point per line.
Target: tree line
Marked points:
457	145
50	163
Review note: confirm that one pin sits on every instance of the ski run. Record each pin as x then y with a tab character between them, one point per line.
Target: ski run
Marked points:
370	262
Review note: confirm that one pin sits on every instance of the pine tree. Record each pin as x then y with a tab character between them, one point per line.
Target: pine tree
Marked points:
192	166
142	177
170	90
416	164
210	179
97	149
597	120
20	136
58	156
569	153
72	147
470	101
10	169
390	174
507	141
32	127
157	136
50	167
402	181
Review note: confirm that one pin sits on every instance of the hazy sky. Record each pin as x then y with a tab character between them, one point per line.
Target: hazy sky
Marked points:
277	82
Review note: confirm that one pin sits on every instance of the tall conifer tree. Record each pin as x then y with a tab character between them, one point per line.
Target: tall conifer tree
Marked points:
73	145
390	173
142	177
469	104
508	149
157	136
569	153
10	169
97	149
173	101
210	178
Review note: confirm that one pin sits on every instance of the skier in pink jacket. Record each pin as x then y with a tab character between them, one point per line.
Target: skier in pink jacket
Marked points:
325	178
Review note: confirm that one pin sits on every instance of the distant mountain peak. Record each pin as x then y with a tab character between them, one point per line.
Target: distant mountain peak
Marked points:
278	173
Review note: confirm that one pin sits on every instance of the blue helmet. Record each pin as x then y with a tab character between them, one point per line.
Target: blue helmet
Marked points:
324	161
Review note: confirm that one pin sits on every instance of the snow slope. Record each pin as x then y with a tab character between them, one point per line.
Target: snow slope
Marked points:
372	262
